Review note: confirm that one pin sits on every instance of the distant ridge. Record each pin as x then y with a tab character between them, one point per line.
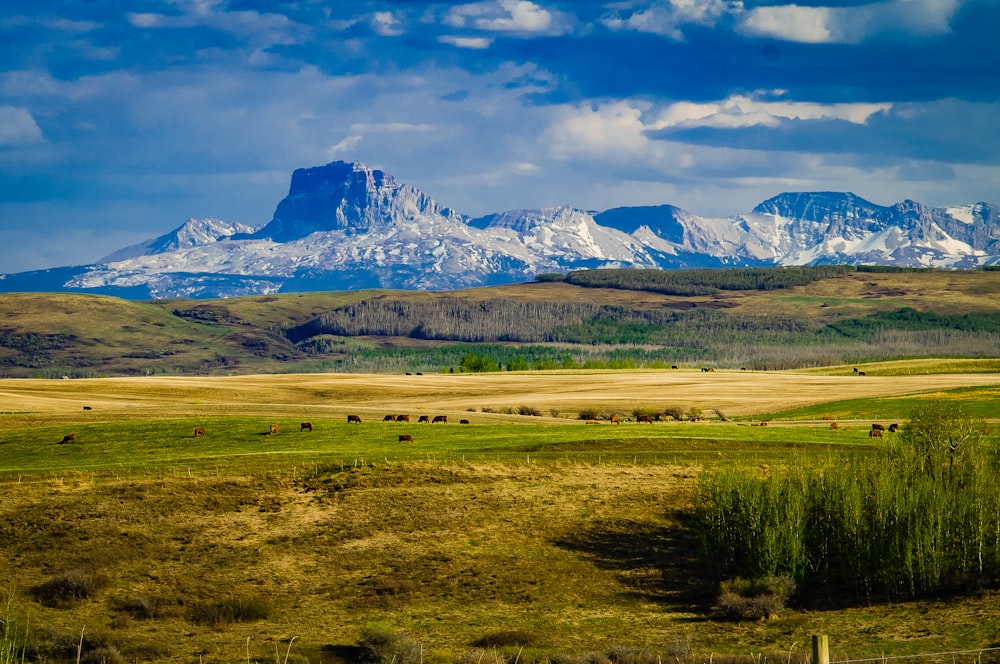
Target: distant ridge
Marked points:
346	226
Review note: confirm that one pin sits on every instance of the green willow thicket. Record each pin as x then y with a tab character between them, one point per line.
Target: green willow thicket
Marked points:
919	516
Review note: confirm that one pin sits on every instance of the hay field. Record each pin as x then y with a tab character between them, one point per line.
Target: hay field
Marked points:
736	393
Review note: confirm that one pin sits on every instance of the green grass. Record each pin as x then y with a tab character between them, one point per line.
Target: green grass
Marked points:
981	402
230	441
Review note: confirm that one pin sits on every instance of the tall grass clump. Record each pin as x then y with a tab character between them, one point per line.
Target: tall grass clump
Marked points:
919	516
13	636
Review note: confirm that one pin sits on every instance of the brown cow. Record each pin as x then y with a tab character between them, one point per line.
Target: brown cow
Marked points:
274	428
199	431
405	438
68	438
877	427
443	419
834	425
402	418
615	419
306	426
643	418
893	428
875	433
353	418
828	417
423	418
389	418
463	422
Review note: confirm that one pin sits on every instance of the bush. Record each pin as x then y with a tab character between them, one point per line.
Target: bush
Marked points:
141	607
67	589
382	645
230	610
754	599
529	410
506	637
675	412
589	414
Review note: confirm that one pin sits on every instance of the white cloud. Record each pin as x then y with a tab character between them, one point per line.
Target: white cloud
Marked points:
666	18
259	29
510	16
850	25
466	42
344	147
615	130
386	24
743	111
18	127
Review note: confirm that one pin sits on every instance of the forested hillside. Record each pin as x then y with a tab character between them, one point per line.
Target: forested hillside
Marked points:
771	318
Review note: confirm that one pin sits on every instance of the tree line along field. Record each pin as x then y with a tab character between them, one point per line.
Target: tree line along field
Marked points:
761	319
524	538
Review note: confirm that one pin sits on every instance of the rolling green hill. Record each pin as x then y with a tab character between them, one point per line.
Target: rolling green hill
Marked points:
778	318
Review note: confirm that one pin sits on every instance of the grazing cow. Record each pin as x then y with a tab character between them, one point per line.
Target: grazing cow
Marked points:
463	422
893	428
643	418
274	428
861	373
855	370
353	418
423	418
199	431
405	438
673	366
615	419
704	369
834	425
402	418
878	427
87	408
306	426
389	418
68	438
828	417
409	373
443	419
875	433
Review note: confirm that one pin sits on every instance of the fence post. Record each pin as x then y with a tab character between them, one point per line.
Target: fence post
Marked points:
821	649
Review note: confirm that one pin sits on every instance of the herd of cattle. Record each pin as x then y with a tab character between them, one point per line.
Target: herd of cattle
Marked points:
877	430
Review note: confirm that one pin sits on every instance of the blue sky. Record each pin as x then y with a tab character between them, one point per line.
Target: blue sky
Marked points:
120	120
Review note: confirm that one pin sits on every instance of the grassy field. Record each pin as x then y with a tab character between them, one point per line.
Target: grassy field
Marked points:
510	539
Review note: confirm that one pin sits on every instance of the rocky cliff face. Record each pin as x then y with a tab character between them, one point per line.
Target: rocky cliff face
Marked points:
344	226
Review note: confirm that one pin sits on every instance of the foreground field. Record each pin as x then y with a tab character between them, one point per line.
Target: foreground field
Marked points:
514	538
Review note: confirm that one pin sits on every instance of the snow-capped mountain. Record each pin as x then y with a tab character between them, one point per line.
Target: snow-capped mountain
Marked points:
344	225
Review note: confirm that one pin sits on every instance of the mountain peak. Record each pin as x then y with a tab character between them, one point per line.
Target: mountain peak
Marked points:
819	206
345	196
192	233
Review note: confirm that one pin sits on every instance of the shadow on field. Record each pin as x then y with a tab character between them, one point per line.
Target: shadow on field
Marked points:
656	562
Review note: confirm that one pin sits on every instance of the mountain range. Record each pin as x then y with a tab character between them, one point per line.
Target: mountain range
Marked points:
345	226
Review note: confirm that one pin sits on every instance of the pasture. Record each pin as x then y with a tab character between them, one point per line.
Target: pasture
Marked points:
514	538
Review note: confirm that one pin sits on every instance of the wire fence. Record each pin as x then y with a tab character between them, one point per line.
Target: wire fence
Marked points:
975	655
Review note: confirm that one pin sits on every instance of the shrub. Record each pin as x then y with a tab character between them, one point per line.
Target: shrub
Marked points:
67	589
754	599
506	637
529	410
676	412
589	414
141	607
230	610
382	645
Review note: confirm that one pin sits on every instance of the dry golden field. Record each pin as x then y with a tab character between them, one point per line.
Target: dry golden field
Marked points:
736	393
